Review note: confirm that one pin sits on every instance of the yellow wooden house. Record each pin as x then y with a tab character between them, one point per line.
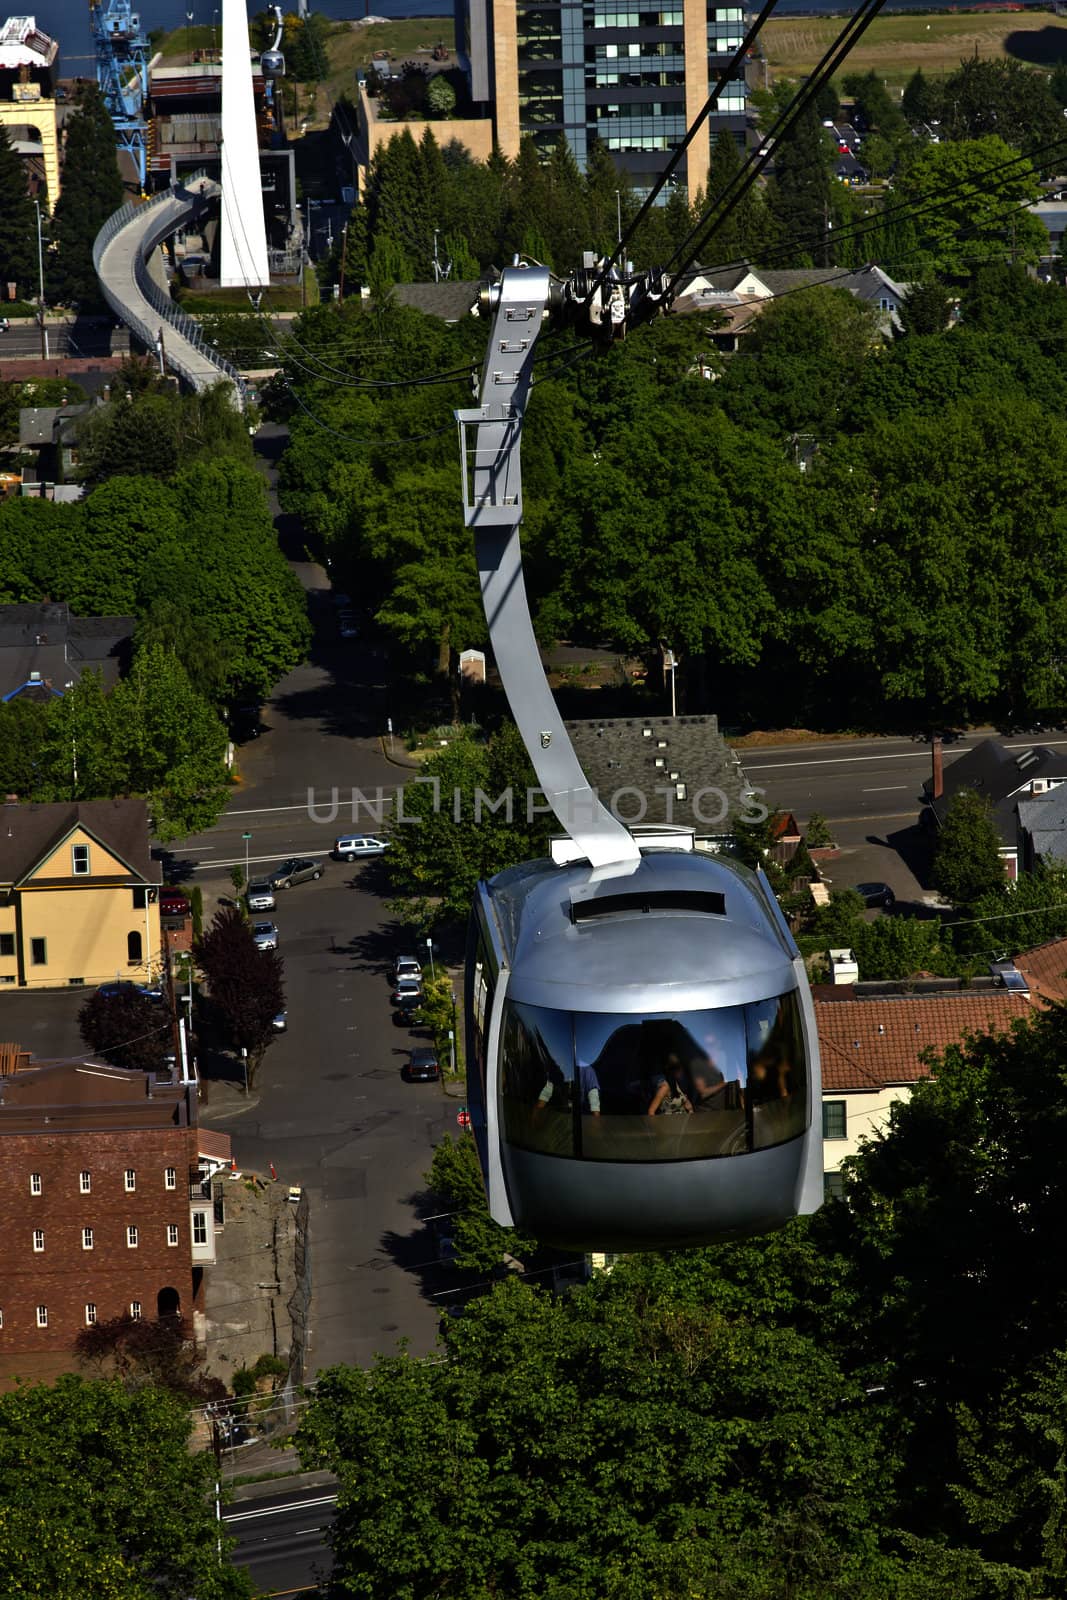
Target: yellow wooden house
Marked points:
79	894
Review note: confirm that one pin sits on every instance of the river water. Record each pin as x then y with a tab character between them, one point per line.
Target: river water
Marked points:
68	20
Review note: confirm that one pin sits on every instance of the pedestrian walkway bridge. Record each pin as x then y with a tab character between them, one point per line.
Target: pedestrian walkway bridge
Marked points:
121	253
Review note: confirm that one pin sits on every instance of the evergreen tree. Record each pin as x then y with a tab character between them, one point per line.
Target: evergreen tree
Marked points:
800	193
925	308
92	190
440	96
569	236
607	199
727	243
17	221
922	100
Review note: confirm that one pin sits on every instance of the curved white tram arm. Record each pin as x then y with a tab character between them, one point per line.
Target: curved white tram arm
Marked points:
492	504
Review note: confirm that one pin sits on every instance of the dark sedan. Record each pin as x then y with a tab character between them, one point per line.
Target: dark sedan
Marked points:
422	1065
876	894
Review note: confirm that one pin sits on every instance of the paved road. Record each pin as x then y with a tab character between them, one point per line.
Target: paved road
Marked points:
329	1109
281	1539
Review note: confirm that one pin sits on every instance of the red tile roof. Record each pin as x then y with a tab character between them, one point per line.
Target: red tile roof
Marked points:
1045	970
874	1043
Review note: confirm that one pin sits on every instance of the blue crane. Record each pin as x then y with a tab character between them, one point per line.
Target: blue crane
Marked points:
122	73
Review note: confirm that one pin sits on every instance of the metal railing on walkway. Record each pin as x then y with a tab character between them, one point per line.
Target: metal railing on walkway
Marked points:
156	219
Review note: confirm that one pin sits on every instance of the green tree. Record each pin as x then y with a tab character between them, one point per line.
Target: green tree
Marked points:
92	190
984	217
244	983
210	662
925	308
102	1495
967	860
433	863
799	193
875	104
922	100
23	729
456	1180
440	96
17	221
170	744
582	1433
79	760
1004	98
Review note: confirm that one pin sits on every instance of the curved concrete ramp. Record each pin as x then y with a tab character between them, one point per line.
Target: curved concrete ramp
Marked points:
120	255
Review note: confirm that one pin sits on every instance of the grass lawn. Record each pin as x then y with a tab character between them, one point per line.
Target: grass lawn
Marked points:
894	46
352	45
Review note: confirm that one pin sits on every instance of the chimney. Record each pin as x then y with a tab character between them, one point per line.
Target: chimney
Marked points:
937	787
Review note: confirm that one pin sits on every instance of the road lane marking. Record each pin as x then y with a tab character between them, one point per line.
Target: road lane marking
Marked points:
275	1511
841	761
885	788
885	816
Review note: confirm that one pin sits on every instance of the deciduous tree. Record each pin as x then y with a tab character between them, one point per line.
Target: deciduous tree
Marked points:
102	1495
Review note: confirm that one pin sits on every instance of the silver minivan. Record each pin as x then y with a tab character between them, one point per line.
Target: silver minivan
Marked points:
354	845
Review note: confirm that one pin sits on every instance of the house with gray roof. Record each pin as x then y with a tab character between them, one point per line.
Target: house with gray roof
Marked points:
1042	828
1005	778
677	770
740	293
44	649
53	432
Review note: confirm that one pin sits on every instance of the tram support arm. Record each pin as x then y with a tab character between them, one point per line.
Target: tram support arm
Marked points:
490	441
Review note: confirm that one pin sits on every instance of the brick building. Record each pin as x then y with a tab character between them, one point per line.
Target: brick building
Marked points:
105	1189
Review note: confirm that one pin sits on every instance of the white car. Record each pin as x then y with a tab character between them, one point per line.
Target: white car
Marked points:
260	896
347	626
266	935
353	845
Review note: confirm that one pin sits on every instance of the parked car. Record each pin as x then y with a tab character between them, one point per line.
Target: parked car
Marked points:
342	601
173	903
405	967
298	869
281	1022
406	999
266	935
259	895
353	845
347	626
422	1065
876	894
151	991
244	723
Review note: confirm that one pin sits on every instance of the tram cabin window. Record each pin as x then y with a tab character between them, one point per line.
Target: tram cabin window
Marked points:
716	1082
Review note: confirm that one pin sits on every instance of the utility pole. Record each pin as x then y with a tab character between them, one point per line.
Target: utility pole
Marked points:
40	283
344	252
618	216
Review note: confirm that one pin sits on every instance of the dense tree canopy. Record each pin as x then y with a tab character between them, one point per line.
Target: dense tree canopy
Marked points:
203	542
101	1495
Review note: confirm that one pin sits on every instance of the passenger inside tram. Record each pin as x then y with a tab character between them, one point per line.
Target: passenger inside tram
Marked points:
706	1083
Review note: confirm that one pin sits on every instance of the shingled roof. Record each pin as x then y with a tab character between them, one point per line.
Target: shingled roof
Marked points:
870	1044
43	648
998	774
29	832
672	761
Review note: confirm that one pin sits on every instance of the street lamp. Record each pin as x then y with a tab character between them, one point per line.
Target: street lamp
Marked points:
618	216
247	837
433	969
671	665
40	282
